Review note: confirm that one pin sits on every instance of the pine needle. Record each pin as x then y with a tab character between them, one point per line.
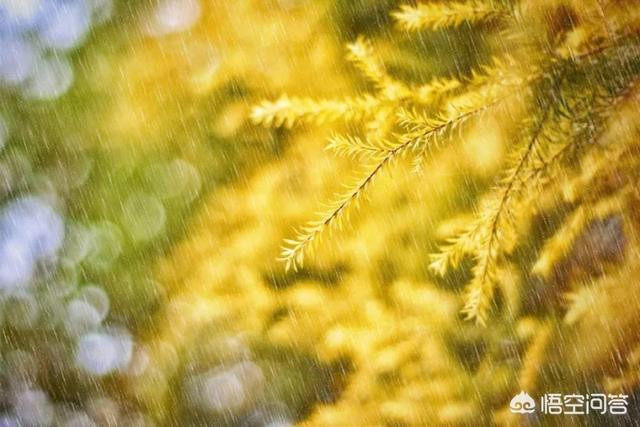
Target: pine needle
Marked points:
493	230
294	250
437	15
286	112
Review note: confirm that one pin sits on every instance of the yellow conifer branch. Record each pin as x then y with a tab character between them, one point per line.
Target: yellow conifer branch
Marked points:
534	358
353	146
421	128
429	92
287	111
423	131
380	126
293	252
437	15
452	252
492	232
362	54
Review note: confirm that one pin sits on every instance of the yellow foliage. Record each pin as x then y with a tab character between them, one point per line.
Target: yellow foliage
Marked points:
435	15
370	296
